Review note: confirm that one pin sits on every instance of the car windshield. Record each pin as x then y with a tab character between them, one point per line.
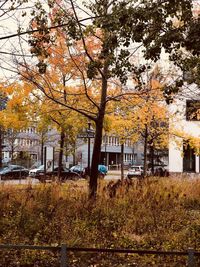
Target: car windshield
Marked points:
135	168
2	170
16	167
41	167
77	167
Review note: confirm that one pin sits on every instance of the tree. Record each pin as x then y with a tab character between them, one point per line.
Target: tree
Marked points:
151	114
48	116
11	136
13	114
99	48
122	126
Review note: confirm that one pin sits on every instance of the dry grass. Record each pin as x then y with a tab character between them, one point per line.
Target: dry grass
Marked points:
153	214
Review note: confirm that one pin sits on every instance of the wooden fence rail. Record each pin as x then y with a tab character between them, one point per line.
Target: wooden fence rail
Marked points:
190	253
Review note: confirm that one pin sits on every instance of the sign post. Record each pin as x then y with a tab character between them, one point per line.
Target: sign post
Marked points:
48	159
88	134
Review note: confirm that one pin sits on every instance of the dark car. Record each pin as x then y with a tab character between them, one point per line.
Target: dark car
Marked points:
13	172
66	174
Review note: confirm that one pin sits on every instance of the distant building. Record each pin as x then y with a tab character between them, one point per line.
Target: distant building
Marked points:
111	152
29	142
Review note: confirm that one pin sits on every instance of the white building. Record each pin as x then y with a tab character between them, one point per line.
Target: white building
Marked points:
184	138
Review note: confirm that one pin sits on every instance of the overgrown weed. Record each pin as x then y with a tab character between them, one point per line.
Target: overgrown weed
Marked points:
162	214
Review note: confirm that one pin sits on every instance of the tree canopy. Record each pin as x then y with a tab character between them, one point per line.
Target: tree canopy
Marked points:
90	49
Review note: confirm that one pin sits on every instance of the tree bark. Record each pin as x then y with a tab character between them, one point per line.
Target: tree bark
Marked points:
62	142
95	159
12	151
1	143
122	161
145	150
42	150
74	153
152	158
98	136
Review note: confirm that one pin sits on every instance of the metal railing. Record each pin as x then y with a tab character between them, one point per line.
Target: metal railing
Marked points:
190	253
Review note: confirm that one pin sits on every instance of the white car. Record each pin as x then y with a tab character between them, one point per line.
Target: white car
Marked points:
37	171
135	171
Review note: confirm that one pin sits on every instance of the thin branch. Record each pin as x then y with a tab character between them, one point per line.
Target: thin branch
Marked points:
82	37
37	30
84	81
39	86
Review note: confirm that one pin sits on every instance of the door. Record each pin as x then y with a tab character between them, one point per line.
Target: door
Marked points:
188	158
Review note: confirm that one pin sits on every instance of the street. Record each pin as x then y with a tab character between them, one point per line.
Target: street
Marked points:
112	175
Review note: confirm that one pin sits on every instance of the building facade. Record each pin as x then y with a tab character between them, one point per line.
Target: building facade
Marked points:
27	144
185	136
111	151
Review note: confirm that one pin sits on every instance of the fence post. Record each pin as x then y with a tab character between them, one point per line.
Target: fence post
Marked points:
63	258
191	260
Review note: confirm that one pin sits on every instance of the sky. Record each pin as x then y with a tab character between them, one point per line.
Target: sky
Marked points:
9	24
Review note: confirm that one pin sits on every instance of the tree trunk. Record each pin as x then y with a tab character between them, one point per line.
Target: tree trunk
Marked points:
42	151
12	151
62	142
95	159
122	161
152	158
12	148
74	153
145	150
1	143
98	136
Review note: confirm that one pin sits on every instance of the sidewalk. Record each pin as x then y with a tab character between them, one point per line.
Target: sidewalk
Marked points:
115	174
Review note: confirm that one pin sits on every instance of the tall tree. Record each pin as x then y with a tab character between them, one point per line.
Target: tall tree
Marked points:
101	38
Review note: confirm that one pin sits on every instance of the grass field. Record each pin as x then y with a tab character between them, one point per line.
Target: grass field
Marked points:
159	214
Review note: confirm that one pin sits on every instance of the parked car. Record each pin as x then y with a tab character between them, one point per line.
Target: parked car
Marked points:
13	172
135	171
36	171
78	169
66	174
84	171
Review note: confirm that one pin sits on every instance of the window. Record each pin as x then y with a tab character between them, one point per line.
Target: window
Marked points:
193	110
